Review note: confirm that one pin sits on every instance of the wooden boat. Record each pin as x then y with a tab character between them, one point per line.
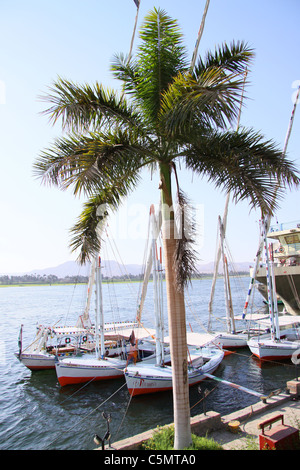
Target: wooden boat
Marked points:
144	377
99	366
268	348
67	341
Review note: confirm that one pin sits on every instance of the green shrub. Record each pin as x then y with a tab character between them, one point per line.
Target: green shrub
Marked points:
163	439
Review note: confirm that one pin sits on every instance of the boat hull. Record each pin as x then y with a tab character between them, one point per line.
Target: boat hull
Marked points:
267	349
37	361
45	361
231	340
82	370
144	379
287	286
40	360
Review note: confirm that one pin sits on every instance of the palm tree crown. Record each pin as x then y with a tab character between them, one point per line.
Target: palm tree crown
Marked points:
171	114
166	113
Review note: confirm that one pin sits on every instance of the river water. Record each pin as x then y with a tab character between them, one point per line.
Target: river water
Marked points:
36	413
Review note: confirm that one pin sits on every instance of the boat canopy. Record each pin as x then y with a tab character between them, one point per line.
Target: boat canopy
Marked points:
283	320
125	333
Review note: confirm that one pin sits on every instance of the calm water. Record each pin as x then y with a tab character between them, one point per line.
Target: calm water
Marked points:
36	413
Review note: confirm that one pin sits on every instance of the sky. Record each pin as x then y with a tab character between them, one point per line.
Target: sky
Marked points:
76	40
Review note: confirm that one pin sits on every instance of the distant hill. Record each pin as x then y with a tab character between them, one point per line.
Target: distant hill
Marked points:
111	269
242	266
70	268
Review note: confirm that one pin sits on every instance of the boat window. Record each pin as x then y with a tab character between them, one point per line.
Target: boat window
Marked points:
293	238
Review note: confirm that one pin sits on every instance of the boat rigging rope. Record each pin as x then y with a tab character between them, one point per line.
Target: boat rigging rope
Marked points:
128	404
294	290
87	415
72	296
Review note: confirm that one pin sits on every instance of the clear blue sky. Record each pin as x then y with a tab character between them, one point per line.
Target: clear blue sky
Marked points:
76	39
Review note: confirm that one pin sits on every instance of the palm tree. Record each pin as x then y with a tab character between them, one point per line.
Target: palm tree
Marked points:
165	114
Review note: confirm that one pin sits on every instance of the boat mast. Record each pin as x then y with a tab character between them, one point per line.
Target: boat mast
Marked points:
268	218
213	285
148	269
161	307
228	302
201	29
89	296
212	293
274	293
155	288
271	301
99	323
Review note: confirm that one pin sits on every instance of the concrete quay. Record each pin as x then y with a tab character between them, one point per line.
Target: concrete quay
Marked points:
220	428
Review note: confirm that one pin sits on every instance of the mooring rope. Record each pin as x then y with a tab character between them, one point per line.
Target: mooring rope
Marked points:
86	416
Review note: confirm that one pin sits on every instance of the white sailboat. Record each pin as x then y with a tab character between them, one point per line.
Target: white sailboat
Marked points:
279	343
232	337
96	366
40	354
66	341
264	347
143	377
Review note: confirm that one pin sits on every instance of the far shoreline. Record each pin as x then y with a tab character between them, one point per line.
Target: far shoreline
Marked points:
200	277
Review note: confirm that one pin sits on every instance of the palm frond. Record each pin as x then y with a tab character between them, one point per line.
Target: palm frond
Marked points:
94	161
185	255
126	72
211	101
160	57
86	233
85	107
233	58
244	164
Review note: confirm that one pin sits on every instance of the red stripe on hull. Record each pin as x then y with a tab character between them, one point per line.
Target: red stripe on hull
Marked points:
141	391
272	358
40	367
79	380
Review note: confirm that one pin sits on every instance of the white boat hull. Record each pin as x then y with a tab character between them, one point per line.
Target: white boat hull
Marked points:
37	361
232	340
85	369
40	360
267	349
143	378
43	360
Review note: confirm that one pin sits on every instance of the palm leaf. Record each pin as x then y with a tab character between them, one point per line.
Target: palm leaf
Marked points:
160	57
233	58
185	255
86	233
213	100
85	107
244	164
94	161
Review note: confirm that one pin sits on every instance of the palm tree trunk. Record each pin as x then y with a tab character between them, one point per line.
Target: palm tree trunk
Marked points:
176	321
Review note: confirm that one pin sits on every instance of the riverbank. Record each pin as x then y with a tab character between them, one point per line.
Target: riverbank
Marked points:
242	436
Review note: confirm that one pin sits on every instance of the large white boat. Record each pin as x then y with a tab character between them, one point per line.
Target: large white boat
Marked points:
286	253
